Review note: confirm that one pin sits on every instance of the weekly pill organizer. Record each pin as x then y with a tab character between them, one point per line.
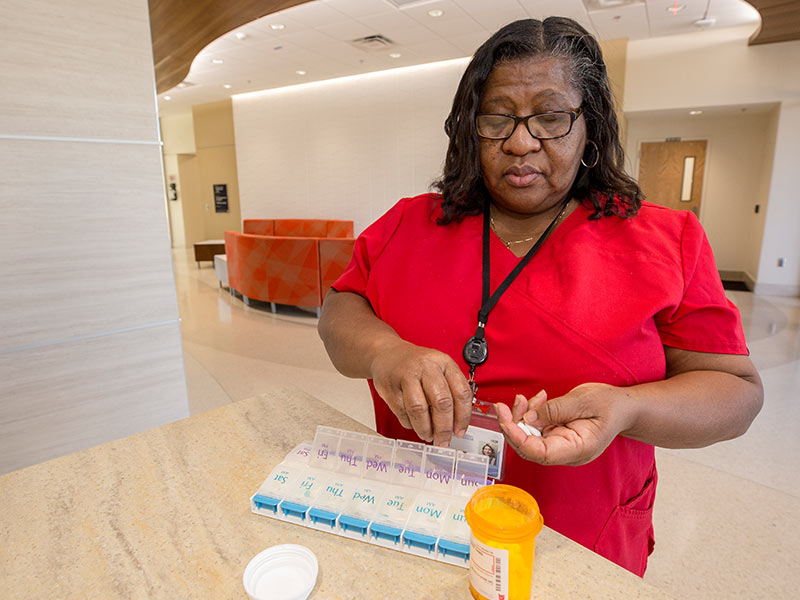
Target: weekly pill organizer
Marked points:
392	493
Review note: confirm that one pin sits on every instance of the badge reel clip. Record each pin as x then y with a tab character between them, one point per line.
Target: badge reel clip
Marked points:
483	435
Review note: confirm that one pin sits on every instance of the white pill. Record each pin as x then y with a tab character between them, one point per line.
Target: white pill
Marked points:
529	429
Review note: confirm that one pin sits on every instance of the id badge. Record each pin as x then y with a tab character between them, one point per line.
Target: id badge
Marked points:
483	436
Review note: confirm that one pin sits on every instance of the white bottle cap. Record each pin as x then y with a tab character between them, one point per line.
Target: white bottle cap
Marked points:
284	572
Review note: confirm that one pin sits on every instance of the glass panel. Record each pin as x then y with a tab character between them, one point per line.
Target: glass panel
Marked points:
688	179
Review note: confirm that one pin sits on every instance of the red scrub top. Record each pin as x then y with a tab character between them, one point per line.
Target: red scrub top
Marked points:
597	303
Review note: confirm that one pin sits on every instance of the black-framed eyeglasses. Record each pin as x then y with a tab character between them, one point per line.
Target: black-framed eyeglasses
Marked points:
543	126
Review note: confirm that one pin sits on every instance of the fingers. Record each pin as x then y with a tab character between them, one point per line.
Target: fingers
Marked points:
528	447
394	400
462	399
534	404
440	400
559	411
432	398
519	407
417	409
576	428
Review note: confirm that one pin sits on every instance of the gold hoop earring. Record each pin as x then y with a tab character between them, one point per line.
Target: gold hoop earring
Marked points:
596	156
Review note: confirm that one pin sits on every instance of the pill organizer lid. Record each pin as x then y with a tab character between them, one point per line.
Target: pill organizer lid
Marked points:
283	572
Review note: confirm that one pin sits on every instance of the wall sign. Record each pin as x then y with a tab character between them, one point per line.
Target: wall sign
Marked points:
220	197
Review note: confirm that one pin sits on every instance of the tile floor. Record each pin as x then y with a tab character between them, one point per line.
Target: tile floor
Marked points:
727	517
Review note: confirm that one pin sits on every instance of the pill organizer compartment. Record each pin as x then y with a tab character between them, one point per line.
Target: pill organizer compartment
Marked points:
439	468
407	464
300	494
334	494
273	490
300	454
393	493
325	448
391	516
360	511
379	456
470	473
425	524
351	454
453	544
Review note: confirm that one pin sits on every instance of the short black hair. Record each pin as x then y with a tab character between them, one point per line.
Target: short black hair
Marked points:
605	187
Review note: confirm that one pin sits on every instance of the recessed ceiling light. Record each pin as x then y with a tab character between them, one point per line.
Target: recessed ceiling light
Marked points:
435	12
227	86
277	26
695	112
675	8
241	35
217	61
181	85
167	97
395	55
300	72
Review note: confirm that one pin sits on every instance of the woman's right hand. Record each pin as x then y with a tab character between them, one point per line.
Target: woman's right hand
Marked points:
424	388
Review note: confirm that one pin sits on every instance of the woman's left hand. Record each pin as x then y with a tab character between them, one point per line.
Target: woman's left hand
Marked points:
576	428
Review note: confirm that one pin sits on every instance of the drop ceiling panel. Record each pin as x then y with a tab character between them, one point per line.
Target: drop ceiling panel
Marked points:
626	21
416	34
442	51
470	42
308	38
357	9
493	17
458	24
388	21
346	31
316	14
281	18
450	10
574	9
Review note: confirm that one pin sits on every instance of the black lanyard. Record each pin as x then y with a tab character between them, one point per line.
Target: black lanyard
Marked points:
476	349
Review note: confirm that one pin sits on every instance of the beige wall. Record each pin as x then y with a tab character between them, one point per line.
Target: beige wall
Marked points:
90	347
372	140
709	68
615	55
783	210
733	178
177	133
216	155
193	213
199	152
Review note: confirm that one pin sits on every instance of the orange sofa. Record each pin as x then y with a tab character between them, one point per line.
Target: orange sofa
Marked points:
288	261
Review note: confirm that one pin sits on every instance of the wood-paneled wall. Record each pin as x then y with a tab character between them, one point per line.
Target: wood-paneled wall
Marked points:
90	348
780	21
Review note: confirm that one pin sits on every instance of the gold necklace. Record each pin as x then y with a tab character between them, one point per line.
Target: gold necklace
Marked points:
508	244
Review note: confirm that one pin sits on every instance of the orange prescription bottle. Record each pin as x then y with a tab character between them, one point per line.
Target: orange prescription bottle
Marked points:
505	521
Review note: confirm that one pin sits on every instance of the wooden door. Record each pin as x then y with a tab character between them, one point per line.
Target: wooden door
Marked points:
671	173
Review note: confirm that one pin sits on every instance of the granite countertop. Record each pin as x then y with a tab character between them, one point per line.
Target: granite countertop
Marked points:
166	514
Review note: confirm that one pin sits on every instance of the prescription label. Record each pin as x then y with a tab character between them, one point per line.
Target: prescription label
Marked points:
488	570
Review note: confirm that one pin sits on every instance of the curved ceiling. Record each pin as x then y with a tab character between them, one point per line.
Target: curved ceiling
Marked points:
182	28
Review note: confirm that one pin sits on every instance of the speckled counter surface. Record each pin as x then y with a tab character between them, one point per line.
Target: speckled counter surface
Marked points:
166	514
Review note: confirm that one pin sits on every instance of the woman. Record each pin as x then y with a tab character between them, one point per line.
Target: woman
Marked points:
488	450
614	335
